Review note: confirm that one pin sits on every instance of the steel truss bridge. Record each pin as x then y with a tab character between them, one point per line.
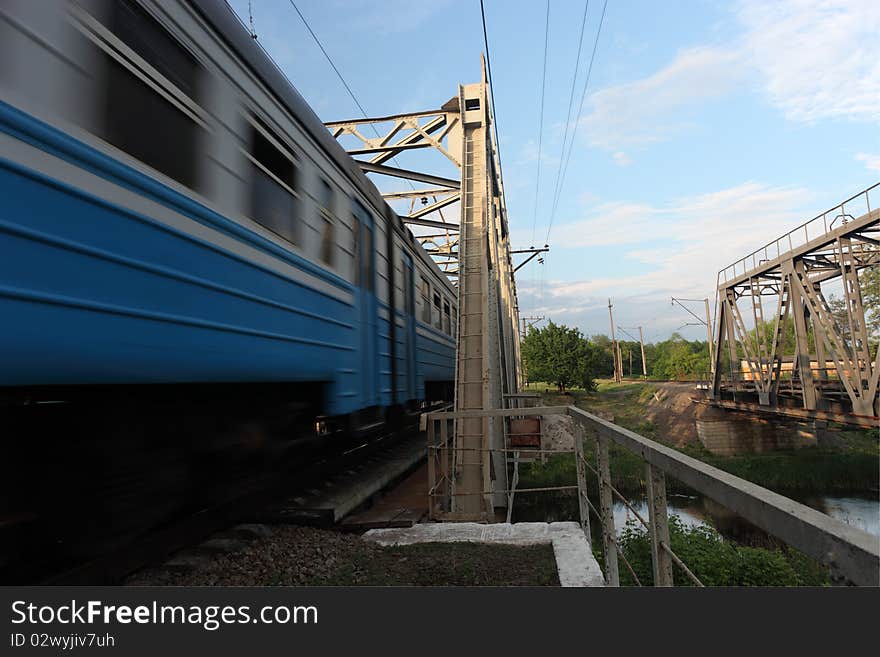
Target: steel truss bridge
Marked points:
829	372
475	448
474	252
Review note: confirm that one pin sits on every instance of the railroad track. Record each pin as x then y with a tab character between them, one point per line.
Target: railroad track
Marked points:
257	496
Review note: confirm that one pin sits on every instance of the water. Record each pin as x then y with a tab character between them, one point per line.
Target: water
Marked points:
863	513
860	512
695	510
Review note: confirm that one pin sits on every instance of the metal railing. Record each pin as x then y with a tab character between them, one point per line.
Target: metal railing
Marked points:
444	458
852	554
855	206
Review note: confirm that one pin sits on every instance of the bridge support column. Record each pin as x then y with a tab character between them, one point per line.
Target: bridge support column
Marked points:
802	346
659	522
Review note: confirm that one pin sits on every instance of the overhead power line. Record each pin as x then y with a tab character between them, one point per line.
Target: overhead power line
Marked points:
491	88
341	79
577	64
541	119
330	60
576	122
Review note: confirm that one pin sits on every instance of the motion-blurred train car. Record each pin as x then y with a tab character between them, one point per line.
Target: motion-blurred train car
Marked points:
175	216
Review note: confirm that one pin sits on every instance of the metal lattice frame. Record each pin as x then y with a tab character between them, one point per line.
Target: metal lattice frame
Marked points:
475	253
834	246
438	130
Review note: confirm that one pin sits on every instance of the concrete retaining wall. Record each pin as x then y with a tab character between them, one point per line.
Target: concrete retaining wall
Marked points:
728	433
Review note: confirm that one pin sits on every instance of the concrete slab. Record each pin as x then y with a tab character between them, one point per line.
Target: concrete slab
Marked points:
574	558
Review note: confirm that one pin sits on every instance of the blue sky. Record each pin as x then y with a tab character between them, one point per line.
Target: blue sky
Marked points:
709	127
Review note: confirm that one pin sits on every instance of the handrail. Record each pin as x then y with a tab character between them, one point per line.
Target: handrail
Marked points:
852	554
767	251
848	550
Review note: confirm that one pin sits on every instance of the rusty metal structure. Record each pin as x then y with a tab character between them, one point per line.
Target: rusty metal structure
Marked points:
475	253
830	372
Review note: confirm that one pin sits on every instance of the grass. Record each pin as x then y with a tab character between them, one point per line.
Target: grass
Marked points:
850	466
449	564
625	402
716	562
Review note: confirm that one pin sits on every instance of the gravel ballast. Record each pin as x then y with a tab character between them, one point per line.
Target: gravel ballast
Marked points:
304	556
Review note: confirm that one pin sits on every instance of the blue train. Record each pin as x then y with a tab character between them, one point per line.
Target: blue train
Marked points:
175	217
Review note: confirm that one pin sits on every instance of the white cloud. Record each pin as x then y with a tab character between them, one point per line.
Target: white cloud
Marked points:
684	242
621	159
529	154
811	59
871	161
818	59
650	109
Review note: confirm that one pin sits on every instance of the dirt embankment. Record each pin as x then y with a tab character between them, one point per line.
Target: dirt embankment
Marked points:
666	406
674	415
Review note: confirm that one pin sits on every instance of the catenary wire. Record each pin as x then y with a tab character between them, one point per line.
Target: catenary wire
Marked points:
341	78
541	119
491	88
577	121
577	63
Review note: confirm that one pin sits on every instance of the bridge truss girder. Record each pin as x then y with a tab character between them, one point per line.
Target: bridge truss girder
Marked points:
794	281
475	253
437	130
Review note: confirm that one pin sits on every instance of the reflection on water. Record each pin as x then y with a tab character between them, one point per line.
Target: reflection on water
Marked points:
686	508
694	510
859	512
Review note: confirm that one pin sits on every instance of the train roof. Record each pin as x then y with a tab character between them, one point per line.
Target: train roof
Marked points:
226	23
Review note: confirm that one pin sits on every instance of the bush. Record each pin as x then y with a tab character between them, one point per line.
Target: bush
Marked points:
717	562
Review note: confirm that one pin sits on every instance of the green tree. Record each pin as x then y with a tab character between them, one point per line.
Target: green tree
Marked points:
870	280
677	358
559	355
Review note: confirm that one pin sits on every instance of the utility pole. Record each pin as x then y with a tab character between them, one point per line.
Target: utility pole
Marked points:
527	323
709	333
615	347
642	344
707	322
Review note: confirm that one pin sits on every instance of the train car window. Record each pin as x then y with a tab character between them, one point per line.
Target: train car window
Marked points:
363	248
436	315
156	128
366	255
447	325
273	198
408	292
426	301
328	237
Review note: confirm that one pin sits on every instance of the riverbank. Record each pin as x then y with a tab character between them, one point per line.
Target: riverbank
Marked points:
847	463
720	547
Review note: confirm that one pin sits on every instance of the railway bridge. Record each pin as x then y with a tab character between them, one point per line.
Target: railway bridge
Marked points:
475	252
258	295
476	447
827	372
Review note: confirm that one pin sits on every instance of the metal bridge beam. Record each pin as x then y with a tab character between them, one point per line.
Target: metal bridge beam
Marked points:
826	252
488	369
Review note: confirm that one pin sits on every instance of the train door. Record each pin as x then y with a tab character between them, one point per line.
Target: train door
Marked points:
409	329
368	307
